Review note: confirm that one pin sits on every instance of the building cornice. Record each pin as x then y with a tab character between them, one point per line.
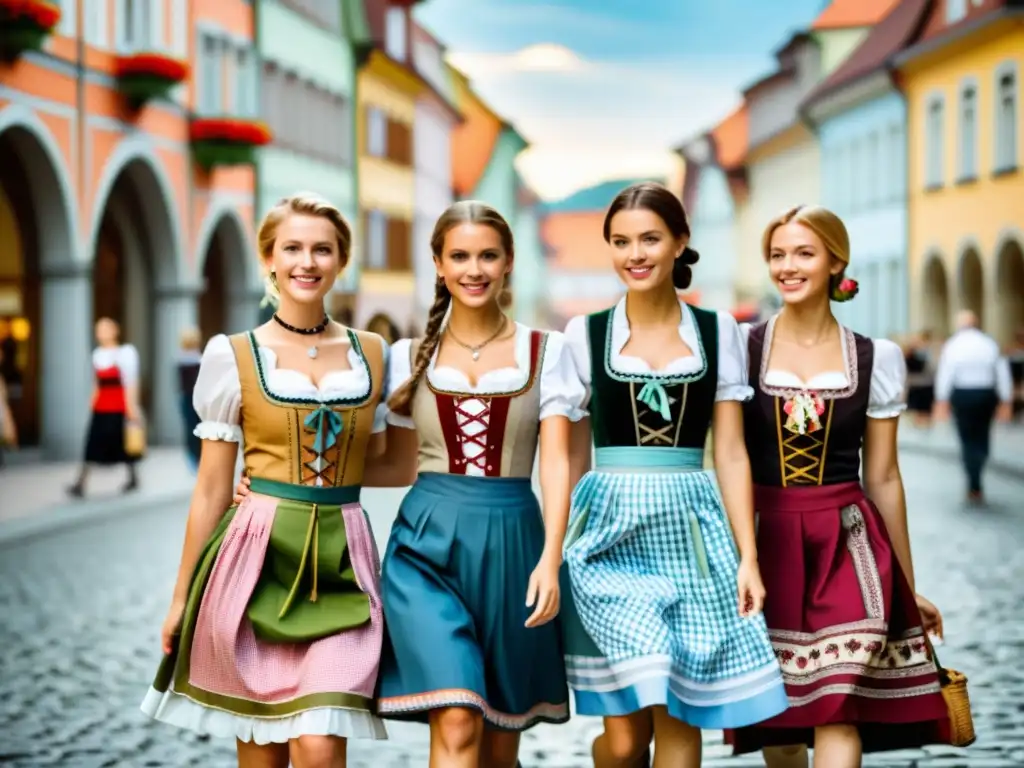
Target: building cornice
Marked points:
871	86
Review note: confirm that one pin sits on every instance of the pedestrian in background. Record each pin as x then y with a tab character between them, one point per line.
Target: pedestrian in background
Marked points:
973	382
8	429
189	357
115	407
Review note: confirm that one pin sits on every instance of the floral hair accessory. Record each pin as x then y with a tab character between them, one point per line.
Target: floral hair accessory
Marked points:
845	289
803	413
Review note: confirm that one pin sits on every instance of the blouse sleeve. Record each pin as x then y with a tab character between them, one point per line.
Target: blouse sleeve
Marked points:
561	391
128	364
399	370
217	397
887	398
380	416
733	373
579	352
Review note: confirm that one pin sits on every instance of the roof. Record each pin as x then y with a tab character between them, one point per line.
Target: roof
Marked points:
731	138
887	39
843	14
595	198
472	141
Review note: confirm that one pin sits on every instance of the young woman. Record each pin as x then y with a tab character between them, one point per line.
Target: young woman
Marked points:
115	404
841	607
470	578
666	637
274	632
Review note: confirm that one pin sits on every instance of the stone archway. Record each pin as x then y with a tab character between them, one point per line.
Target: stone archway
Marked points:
228	302
935	298
971	284
138	273
1009	291
39	311
385	326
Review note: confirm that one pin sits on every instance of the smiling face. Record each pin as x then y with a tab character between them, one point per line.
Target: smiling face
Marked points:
473	264
643	249
305	257
799	263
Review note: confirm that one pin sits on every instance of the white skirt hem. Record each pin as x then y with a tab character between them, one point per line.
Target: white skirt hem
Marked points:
178	710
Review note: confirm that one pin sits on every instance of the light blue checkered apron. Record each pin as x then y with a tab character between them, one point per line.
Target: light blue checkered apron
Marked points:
653	615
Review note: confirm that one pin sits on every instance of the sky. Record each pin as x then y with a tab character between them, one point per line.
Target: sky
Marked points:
603	89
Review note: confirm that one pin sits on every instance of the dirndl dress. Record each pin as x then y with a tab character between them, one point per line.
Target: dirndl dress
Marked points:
651	561
842	618
114	368
468	536
283	625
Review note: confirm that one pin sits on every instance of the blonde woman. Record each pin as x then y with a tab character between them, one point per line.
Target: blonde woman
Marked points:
274	632
841	608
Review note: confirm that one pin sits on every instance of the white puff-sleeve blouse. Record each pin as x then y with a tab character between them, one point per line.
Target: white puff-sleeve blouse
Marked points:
560	389
887	396
217	397
732	353
124	357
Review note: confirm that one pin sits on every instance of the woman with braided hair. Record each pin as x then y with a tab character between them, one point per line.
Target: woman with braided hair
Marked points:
470	576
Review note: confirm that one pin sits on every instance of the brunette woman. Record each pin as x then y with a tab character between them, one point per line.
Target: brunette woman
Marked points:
274	633
470	578
667	636
842	610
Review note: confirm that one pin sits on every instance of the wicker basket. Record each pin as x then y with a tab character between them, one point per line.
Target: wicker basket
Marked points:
958	702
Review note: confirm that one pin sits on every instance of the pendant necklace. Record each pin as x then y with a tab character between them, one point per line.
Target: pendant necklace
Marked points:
312	351
474	351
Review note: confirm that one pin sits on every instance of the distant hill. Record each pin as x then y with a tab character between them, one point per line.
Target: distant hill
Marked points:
595	198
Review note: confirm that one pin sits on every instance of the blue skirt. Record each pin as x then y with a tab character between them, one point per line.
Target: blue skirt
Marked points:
653	617
453	585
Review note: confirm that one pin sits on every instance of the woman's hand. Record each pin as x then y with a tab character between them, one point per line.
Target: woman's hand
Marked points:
543	591
931	618
749	588
172	625
241	490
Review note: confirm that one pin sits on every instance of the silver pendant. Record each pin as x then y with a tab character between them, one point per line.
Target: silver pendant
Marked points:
312	352
476	354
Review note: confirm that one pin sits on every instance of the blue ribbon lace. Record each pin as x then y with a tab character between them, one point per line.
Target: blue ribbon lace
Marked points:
654	396
327	424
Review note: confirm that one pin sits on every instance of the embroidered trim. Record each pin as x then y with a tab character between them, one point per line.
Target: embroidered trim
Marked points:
864	564
643	378
849	361
456	697
864	650
839	689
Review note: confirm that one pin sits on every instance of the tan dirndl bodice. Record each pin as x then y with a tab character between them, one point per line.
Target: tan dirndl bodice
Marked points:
511	424
300	441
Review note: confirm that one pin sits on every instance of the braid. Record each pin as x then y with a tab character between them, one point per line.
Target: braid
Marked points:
401	399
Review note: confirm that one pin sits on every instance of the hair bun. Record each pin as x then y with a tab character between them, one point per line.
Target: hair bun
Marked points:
689	256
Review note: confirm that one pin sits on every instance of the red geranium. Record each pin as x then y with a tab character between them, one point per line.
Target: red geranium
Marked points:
231	130
152	65
39	14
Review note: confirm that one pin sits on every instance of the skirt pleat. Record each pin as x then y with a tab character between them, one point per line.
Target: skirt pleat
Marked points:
654	616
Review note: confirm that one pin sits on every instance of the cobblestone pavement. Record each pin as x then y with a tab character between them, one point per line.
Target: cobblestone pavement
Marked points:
80	613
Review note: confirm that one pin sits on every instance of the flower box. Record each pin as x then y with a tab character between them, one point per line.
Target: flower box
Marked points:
144	76
226	140
25	25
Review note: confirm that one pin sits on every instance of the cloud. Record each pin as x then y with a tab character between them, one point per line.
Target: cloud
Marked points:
554	171
540	57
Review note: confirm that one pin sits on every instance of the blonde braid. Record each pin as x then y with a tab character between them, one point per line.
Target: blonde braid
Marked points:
401	399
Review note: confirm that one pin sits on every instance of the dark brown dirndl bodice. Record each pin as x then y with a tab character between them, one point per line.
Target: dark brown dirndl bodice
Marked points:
827	456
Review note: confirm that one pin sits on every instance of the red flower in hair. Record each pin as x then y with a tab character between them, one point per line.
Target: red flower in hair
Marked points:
846	290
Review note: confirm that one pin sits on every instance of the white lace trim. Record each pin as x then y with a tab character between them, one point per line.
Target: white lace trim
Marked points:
218	430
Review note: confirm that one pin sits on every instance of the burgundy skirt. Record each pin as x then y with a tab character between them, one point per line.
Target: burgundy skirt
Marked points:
844	624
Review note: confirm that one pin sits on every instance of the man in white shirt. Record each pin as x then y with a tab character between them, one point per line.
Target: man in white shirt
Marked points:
973	380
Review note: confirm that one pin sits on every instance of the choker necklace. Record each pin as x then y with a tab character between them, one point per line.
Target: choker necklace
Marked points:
315	330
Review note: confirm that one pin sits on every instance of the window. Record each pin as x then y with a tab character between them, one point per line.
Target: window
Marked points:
304	117
875	168
96	23
396	34
1007	106
376	240
399	245
968	133
376	132
141	25
955	10
856	177
895	164
245	99
210	75
934	142
66	25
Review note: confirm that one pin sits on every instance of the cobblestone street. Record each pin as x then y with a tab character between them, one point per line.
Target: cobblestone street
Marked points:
81	612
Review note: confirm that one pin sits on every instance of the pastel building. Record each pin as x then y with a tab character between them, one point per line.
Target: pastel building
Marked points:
105	209
962	77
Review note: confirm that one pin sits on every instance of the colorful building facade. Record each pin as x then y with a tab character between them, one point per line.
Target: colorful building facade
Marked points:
962	78
104	209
